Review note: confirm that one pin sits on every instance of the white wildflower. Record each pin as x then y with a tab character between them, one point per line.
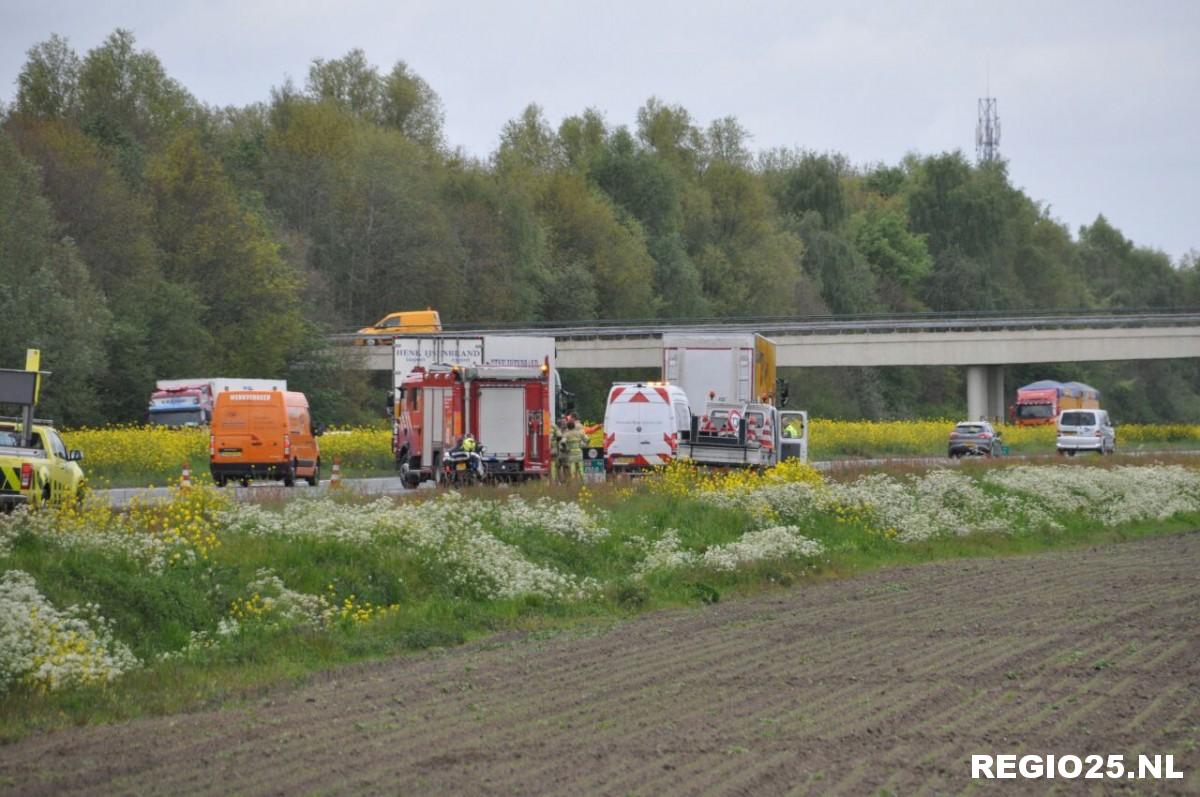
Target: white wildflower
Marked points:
49	649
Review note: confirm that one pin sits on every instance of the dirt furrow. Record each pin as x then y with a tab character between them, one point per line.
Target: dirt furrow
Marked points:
889	680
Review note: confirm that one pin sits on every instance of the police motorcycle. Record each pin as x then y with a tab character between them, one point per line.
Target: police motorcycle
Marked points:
462	466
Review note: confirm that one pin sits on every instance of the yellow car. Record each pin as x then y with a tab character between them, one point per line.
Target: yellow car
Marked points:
38	473
403	323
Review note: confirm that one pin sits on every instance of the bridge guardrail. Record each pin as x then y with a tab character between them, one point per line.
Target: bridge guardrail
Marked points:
802	325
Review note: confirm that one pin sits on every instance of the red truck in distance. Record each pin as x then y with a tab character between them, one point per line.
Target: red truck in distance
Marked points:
1042	402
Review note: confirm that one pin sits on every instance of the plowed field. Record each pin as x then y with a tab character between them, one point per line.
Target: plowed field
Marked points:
885	681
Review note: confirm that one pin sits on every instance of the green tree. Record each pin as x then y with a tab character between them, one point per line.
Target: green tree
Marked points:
586	233
48	301
897	257
748	264
647	188
582	138
814	184
227	257
504	247
128	101
156	329
412	107
1124	275
48	85
528	146
668	131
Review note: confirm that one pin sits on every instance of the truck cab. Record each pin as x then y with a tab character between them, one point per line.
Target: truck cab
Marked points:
187	405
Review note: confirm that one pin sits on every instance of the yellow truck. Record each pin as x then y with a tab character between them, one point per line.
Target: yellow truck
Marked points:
39	469
35	466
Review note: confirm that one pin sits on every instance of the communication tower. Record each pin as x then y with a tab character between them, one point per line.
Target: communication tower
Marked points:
987	131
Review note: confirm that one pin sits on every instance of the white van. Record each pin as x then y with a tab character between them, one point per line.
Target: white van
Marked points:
643	424
1085	430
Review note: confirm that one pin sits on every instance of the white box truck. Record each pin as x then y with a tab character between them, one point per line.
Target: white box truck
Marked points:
736	367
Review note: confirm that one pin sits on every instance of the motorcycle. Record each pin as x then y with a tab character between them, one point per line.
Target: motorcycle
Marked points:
464	468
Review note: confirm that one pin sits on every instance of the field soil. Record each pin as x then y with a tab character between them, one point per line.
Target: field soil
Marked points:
888	681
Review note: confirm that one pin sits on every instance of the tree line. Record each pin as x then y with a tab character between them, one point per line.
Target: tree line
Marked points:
144	235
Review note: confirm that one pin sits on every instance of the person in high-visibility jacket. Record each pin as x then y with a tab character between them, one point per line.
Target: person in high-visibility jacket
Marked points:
574	442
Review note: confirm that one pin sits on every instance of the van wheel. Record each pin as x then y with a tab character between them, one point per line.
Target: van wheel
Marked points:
289	476
315	478
221	481
245	481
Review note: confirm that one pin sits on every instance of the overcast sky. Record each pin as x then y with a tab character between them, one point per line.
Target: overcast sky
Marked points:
1099	101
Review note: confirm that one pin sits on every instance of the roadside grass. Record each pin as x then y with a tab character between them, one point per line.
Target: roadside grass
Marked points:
415	601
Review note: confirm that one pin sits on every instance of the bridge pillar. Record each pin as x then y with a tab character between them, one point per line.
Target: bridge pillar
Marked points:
996	393
977	392
985	392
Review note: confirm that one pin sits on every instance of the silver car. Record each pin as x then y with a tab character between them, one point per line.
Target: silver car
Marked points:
974	438
1085	430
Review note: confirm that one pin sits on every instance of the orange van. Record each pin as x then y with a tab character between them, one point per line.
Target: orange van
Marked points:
263	434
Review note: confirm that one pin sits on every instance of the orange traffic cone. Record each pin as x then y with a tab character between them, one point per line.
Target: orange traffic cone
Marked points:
185	481
335	478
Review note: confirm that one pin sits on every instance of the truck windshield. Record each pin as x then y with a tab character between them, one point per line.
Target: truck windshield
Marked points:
1035	411
177	418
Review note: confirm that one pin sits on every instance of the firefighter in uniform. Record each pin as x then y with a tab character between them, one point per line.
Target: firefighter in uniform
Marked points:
574	440
560	448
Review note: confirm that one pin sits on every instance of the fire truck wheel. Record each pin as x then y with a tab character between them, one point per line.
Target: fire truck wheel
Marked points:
406	477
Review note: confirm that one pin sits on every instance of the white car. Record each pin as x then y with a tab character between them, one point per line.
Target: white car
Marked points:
1085	430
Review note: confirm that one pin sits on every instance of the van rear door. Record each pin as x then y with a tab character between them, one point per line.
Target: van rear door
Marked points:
250	427
639	427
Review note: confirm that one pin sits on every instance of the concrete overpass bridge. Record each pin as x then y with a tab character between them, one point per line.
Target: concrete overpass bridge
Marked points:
981	342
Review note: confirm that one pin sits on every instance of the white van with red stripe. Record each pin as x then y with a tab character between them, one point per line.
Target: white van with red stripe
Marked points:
643	424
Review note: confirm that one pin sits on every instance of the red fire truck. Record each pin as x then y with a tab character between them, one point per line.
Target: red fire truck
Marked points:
507	410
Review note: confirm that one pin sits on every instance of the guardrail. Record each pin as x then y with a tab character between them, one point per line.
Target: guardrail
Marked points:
813	325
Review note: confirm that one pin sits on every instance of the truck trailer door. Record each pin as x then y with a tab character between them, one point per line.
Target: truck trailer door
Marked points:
502	423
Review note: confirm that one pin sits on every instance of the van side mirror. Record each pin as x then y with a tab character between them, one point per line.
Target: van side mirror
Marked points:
75	456
318	430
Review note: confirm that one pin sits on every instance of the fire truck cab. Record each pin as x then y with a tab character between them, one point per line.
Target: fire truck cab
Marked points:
506	409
